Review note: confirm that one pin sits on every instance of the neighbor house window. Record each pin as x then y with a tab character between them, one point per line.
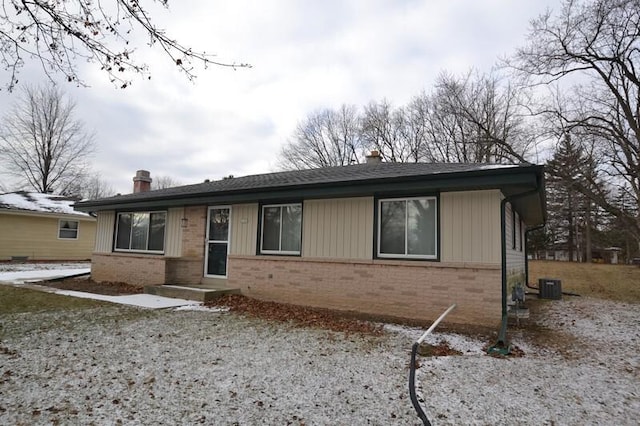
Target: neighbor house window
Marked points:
281	229
141	231
407	228
68	229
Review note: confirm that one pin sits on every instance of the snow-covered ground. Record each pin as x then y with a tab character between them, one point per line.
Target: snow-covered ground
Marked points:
120	364
20	273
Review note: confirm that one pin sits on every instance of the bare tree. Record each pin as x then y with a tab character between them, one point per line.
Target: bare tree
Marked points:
395	133
483	118
42	143
162	182
60	33
595	44
90	187
326	138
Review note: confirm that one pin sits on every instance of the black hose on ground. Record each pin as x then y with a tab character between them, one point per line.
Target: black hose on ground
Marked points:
412	386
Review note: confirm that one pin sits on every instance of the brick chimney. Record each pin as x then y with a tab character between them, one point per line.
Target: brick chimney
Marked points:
141	181
374	158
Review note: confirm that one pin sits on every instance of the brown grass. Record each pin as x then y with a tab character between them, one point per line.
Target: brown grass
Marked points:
613	282
18	300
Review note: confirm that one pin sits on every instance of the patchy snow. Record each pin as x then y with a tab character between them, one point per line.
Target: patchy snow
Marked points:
140	300
41	266
28	276
117	364
464	344
497	166
37	202
202	308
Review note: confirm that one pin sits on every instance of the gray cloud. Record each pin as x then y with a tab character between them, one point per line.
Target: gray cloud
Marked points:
306	55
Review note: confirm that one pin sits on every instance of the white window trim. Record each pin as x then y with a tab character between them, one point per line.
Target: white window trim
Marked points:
207	241
282	252
164	243
77	229
406	239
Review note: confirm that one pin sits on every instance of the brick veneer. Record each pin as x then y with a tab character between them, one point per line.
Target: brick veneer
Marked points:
416	290
184	271
193	236
136	269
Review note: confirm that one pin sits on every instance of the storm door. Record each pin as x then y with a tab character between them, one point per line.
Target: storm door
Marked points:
217	241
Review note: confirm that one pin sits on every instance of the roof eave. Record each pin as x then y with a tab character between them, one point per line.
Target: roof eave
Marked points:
509	179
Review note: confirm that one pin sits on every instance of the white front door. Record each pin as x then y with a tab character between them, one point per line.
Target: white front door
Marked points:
218	230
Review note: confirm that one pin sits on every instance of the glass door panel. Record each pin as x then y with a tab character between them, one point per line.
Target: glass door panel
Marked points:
217	241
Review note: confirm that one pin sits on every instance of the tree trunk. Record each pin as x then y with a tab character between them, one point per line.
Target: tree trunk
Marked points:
587	234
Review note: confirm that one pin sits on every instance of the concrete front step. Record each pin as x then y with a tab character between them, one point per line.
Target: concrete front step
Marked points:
199	294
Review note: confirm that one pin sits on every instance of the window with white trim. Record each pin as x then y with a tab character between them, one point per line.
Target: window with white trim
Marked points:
140	232
68	229
281	229
407	228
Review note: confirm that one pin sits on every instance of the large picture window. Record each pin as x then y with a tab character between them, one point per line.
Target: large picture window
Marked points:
407	228
68	229
281	229
141	231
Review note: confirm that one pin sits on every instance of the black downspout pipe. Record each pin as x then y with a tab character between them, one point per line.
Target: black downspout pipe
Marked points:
502	335
526	253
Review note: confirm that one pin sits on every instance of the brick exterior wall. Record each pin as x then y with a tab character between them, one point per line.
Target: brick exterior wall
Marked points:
184	271
194	235
416	290
135	269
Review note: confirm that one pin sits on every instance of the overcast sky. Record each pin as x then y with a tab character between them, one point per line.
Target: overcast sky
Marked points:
305	56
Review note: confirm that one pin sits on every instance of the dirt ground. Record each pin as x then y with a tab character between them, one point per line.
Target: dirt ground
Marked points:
89	286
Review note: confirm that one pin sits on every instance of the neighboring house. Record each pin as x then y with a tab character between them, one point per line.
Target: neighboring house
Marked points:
385	239
36	226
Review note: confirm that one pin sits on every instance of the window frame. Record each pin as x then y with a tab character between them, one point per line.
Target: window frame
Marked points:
406	256
77	229
280	252
210	241
147	251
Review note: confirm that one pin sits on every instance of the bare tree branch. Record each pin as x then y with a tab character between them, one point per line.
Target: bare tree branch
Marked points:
61	34
325	138
162	182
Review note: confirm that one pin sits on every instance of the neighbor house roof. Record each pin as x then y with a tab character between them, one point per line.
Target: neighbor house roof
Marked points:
345	181
33	202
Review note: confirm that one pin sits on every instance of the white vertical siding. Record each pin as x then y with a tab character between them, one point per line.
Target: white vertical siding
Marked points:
173	232
338	228
244	229
470	226
104	231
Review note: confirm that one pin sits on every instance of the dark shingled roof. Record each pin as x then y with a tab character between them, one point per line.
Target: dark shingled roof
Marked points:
356	176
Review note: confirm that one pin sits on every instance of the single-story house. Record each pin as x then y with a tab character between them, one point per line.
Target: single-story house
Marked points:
385	239
36	226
